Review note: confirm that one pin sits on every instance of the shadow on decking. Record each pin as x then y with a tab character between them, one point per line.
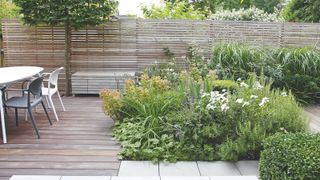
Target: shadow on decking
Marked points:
79	144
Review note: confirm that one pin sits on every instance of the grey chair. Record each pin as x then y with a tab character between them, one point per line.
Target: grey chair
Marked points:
30	98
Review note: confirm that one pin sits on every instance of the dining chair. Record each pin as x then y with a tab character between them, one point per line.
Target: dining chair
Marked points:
29	100
51	89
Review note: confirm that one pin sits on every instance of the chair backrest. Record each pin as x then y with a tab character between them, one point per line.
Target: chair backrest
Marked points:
35	87
53	78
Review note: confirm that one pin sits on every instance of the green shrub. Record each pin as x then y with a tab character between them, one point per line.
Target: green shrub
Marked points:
295	69
291	157
300	72
220	85
236	60
250	14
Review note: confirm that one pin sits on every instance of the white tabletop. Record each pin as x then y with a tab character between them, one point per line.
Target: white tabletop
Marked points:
16	73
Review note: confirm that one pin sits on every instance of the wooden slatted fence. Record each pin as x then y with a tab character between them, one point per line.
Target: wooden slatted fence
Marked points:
131	44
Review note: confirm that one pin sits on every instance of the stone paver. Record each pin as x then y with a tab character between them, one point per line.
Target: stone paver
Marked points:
218	168
184	178
135	178
85	178
234	178
180	168
248	168
138	168
22	177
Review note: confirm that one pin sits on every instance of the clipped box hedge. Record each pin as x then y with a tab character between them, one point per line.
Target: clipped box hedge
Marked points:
291	156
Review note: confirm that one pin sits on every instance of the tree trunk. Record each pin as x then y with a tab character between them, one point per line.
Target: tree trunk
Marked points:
1	52
67	59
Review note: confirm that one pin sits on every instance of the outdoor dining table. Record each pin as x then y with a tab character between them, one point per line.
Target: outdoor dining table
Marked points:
10	75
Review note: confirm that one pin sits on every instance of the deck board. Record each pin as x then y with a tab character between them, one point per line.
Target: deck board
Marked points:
80	143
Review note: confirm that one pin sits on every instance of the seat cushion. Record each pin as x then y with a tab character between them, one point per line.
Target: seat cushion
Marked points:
21	102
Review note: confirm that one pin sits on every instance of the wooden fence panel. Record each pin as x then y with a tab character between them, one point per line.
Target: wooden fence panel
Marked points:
130	45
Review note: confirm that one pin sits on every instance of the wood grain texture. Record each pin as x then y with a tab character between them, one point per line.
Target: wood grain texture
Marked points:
132	44
79	144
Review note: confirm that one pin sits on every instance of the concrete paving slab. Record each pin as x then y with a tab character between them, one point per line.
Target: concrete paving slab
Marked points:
85	178
28	177
184	178
248	168
218	168
135	178
234	178
138	168
181	168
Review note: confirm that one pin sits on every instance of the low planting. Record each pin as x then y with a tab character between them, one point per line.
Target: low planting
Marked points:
172	115
291	156
295	69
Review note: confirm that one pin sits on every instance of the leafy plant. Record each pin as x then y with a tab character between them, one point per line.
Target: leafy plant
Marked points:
112	103
175	10
250	14
291	156
302	11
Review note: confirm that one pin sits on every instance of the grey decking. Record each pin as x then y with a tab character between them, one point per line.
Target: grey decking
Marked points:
79	144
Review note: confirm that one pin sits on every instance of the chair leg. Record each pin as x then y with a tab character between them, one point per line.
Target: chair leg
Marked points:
53	108
49	106
33	122
16	114
45	110
64	109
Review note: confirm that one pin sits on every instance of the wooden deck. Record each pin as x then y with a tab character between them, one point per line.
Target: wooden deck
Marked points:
79	144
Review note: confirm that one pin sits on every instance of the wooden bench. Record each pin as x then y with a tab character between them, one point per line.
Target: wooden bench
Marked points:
90	82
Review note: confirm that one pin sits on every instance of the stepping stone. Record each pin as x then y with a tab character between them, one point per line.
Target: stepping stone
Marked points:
138	168
22	177
248	168
184	178
181	168
218	168
234	178
135	178
85	178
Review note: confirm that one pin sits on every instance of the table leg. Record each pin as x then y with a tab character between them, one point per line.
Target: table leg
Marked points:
3	125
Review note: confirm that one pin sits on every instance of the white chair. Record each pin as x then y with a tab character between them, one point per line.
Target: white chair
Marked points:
51	89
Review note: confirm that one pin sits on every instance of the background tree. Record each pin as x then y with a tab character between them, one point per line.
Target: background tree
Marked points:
268	6
7	10
70	14
302	11
172	10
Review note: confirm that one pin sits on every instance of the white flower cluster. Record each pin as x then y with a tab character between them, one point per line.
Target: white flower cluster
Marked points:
263	101
217	100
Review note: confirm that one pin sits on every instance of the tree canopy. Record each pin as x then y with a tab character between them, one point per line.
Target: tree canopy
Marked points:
302	11
76	13
214	5
172	10
8	10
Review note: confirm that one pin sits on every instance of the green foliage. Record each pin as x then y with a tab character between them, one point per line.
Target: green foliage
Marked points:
112	103
296	69
302	11
291	156
177	10
229	85
76	13
300	72
250	14
236	60
8	10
